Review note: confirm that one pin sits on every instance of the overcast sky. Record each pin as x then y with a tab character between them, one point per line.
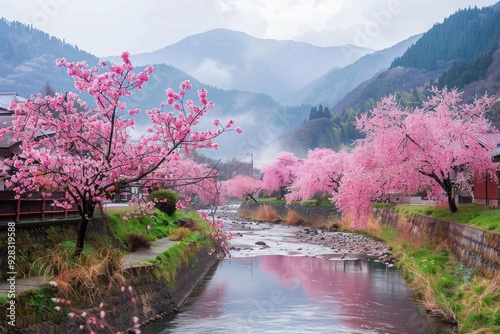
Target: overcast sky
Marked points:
108	27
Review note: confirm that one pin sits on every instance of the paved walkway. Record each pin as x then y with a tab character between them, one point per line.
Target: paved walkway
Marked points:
137	258
129	260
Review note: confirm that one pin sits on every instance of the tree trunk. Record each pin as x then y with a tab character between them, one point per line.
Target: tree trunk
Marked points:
451	201
80	237
253	198
87	213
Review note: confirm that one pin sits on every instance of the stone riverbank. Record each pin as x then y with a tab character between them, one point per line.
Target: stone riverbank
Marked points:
254	238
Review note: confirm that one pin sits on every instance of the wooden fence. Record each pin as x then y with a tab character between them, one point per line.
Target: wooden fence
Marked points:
33	208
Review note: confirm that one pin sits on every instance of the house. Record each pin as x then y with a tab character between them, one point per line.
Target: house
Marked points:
487	191
7	146
33	206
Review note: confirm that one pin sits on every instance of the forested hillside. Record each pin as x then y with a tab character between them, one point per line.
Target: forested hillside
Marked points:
462	52
463	36
27	59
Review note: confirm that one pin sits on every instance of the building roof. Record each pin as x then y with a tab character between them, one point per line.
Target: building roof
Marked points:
495	154
6	98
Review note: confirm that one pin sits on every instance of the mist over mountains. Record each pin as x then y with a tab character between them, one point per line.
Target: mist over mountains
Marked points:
234	60
270	87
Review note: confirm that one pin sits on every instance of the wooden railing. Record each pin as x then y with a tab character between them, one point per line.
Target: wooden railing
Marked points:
33	208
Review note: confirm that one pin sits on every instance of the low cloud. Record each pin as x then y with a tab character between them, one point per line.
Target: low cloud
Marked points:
213	73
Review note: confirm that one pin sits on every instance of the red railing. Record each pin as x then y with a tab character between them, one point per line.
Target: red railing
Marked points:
32	208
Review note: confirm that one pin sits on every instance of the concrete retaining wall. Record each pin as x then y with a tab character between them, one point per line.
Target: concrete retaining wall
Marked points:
154	299
32	239
474	247
310	212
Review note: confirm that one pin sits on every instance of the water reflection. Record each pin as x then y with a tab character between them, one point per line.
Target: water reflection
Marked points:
280	294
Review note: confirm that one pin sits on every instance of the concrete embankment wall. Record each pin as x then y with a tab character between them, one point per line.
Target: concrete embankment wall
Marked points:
154	296
474	247
311	212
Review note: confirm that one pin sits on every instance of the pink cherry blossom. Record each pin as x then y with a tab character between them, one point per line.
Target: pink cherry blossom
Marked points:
241	186
87	148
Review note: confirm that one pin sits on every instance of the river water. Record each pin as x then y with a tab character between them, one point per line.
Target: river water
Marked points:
283	285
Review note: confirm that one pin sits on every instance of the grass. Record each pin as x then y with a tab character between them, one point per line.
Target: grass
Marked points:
271	200
447	288
154	228
294	218
267	213
182	253
136	241
471	214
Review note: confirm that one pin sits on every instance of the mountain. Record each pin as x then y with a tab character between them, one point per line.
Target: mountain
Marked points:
27	63
333	86
234	60
27	59
462	36
474	77
470	37
461	52
316	133
261	117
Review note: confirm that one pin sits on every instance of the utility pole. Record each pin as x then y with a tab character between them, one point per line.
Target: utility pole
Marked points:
251	163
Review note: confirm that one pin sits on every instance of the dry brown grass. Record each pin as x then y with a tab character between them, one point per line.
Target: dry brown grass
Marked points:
179	233
137	241
373	226
267	213
92	277
343	222
245	213
294	218
85	279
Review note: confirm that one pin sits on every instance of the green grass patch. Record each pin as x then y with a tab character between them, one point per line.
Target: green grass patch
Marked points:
471	214
183	253
270	200
388	234
317	202
446	287
154	228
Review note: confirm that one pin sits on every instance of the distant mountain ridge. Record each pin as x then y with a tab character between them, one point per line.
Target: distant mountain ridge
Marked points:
462	36
467	56
333	86
347	80
27	59
27	64
234	60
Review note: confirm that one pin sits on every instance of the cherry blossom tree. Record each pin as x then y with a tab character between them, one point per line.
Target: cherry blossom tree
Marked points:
188	178
363	181
85	149
280	173
428	147
241	186
322	172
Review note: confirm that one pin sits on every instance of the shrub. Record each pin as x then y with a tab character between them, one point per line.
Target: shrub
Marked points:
294	218
179	233
166	200
267	213
136	241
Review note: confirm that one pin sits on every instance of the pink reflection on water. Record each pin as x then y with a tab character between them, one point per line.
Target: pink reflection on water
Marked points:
345	287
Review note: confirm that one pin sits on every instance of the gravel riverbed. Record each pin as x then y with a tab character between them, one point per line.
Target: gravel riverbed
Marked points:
254	238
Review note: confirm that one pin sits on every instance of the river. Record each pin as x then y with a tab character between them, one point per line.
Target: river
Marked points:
285	279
